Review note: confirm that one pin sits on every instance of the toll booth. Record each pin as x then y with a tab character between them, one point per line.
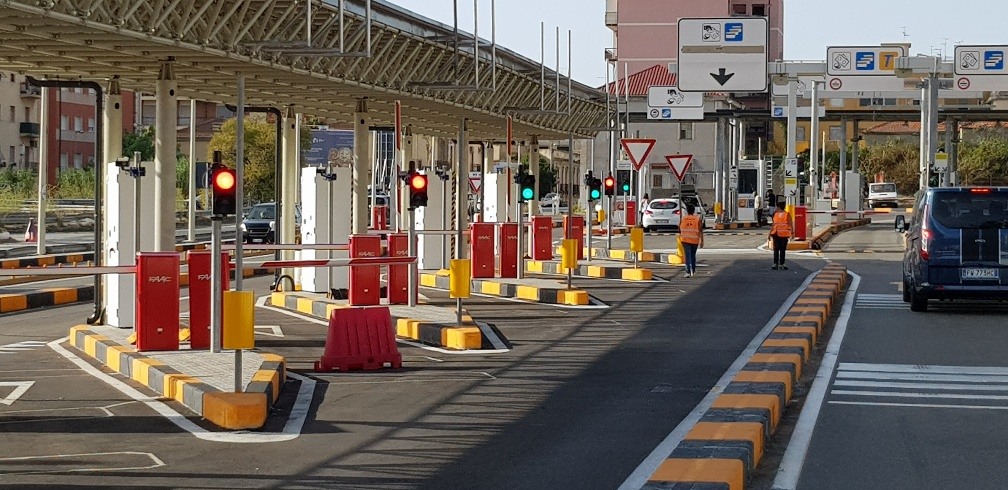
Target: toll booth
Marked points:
326	219
746	207
120	235
433	250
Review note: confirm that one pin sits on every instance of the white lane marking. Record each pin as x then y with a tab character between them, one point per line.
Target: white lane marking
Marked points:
155	462
269	330
867	375
640	476
20	387
902	394
299	412
797	448
924	368
920	405
237	437
920	386
26	345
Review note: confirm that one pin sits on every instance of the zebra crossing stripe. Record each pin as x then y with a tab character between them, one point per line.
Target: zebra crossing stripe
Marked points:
857	383
880	301
21	346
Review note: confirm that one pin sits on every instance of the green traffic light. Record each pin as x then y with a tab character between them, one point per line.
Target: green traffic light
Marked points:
527	193
626	187
595	194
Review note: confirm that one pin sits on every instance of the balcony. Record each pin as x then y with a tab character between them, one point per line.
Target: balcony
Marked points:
611	17
30	130
610	54
30	91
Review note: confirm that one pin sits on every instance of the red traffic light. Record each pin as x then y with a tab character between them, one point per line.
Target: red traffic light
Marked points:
224	180
418	182
610	182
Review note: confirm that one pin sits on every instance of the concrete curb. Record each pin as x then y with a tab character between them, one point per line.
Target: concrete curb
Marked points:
592	271
627	255
467	337
553	296
725	446
736	225
233	411
824	236
47	260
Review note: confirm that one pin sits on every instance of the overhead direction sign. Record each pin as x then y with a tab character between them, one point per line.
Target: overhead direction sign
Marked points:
670	103
863	68
638	149
679	164
723	55
980	68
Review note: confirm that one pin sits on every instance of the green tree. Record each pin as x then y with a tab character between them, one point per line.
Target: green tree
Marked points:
899	161
984	162
142	141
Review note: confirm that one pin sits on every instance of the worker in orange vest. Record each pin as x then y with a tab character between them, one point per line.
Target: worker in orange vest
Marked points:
691	236
780	232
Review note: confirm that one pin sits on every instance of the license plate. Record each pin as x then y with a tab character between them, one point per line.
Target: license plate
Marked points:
257	240
978	274
661	221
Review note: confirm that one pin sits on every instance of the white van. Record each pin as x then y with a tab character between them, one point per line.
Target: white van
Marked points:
882	194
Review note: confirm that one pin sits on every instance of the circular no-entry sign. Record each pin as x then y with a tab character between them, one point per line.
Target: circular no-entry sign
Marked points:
835	83
963	83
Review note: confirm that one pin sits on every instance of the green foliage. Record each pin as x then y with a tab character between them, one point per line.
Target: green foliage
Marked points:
15	187
984	162
74	184
142	141
899	161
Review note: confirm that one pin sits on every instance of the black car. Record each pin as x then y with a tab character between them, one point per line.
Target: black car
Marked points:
259	225
956	245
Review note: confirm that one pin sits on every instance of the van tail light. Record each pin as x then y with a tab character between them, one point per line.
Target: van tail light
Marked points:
980	190
926	236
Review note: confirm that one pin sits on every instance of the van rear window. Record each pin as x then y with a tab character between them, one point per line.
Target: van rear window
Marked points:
962	209
882	187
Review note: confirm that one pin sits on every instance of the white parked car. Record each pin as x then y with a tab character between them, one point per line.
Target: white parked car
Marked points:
662	213
882	194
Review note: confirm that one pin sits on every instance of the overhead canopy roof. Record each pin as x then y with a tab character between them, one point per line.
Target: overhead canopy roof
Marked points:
413	59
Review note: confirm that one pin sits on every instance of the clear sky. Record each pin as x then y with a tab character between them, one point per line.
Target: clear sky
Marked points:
810	26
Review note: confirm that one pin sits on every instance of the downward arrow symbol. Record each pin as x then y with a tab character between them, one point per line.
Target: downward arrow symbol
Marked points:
721	77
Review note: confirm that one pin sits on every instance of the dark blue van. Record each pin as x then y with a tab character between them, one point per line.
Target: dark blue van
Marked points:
956	245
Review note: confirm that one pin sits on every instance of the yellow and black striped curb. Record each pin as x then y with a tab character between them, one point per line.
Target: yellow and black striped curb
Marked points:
736	225
594	271
628	256
46	260
234	411
538	294
824	236
468	336
725	446
44	298
62	296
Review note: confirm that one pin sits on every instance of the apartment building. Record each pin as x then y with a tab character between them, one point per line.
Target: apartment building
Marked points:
19	124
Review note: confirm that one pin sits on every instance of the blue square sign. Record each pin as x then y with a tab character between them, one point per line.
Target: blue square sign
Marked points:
666	113
993	60
864	60
778	111
733	32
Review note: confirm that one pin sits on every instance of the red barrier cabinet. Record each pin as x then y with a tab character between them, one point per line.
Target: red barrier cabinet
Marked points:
157	308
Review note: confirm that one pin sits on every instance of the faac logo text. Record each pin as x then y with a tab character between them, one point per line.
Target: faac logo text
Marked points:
159	279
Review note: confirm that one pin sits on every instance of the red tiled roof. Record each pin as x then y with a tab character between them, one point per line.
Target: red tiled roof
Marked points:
639	82
911	127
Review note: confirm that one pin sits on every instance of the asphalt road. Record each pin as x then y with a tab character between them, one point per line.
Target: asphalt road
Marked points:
581	399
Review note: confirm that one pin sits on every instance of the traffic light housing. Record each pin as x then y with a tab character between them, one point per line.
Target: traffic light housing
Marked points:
224	187
417	190
594	189
623	182
609	185
526	184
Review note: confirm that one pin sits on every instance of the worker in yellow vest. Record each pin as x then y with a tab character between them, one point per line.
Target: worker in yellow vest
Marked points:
780	232
691	236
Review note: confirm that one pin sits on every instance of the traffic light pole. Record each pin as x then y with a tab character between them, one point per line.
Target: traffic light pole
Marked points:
215	284
588	225
414	266
608	216
521	236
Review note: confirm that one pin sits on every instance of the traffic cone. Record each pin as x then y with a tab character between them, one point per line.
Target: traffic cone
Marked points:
31	234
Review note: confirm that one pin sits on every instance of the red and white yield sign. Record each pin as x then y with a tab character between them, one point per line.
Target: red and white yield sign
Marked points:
679	164
638	150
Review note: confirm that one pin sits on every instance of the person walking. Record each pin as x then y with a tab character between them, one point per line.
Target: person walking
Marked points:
691	236
771	201
780	232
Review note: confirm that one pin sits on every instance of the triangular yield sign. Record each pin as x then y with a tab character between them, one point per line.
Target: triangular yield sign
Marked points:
638	150
679	164
20	387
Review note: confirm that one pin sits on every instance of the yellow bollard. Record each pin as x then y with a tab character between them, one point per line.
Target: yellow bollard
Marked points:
568	254
238	322
460	279
600	216
679	248
637	239
717	209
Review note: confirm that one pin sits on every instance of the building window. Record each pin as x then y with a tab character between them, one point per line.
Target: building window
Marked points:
224	113
657	181
64	123
12	78
11	155
78	160
686	130
183	113
800	134
12	112
834	133
759	10
91	124
78	124
864	102
27	114
889	102
147	110
738	9
63	160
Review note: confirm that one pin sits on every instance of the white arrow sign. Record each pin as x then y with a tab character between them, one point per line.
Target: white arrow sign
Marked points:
638	150
679	164
274	330
20	387
791	176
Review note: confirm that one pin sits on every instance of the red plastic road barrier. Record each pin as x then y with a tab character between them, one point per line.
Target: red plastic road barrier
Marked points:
800	223
365	282
359	339
542	238
481	250
157	307
631	213
199	295
509	250
398	275
574	228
